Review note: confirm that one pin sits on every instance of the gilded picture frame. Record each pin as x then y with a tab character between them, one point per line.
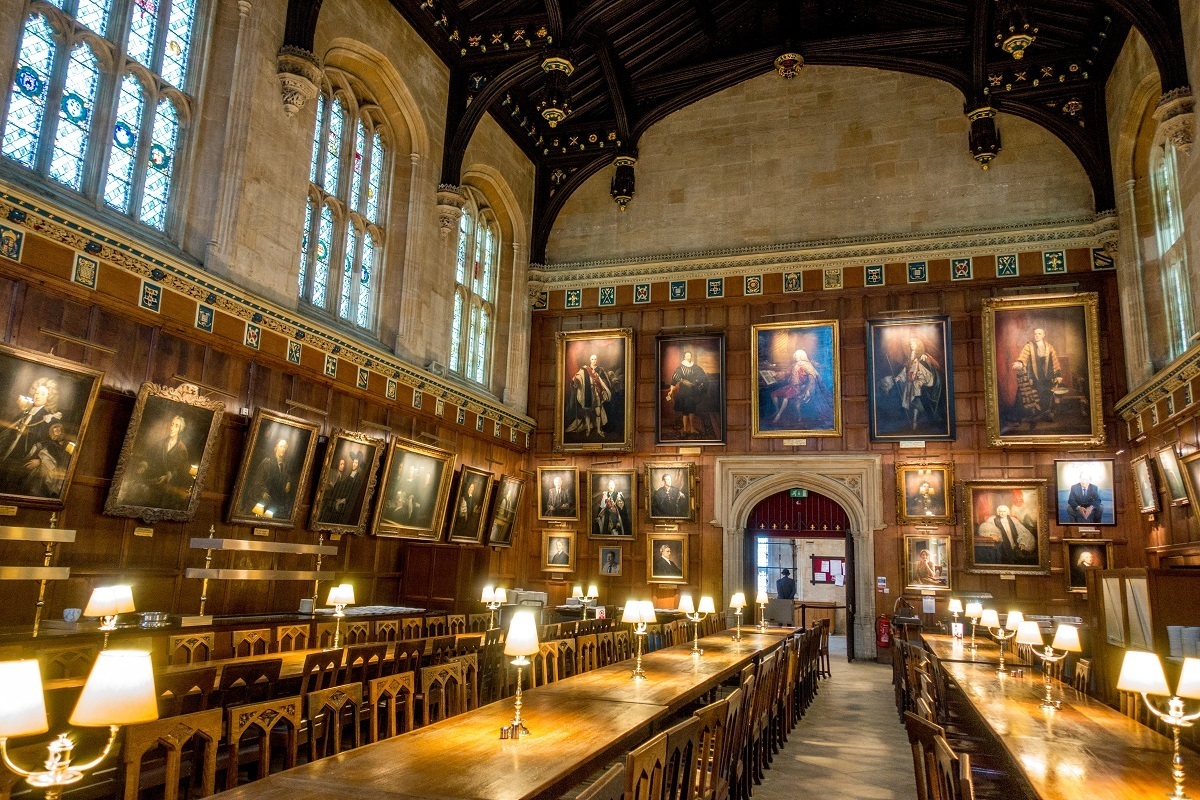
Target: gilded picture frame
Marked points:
558	550
1081	554
689	394
1190	466
468	512
558	502
149	482
40	444
612	504
1144	484
416	489
1042	370
1077	505
272	480
666	558
611	560
506	505
342	503
798	379
925	493
1013	541
671	491
910	391
594	381
1172	475
928	562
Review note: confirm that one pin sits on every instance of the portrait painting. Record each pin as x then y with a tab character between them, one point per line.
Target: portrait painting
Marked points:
1079	555
799	379
1083	492
1190	465
47	403
911	390
556	493
925	493
671	491
612	503
927	562
611	561
558	551
1172	475
666	558
1042	370
1006	527
690	395
505	506
1143	481
416	489
164	458
470	502
346	483
272	481
593	403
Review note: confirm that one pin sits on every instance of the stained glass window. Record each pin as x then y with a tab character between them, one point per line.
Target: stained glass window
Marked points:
118	188
464	238
456	332
323	253
142	26
365	275
162	159
481	340
375	183
179	40
360	147
316	148
75	117
93	14
333	146
1172	252
27	100
474	273
347	275
304	242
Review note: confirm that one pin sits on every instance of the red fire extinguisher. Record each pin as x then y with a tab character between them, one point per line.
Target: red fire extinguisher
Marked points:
883	631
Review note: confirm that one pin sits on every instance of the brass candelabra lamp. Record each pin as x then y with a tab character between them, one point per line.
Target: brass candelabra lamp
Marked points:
955	607
493	599
1142	672
991	621
340	596
106	603
696	616
521	641
639	613
737	603
1066	639
584	599
973	612
761	601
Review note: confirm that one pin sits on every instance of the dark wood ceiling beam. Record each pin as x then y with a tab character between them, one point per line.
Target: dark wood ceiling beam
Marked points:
479	10
1159	22
978	22
554	21
602	14
620	90
434	36
300	27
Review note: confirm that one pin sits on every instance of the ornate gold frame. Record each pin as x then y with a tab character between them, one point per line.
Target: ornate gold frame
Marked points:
394	529
1112	471
631	504
1090	303
492	540
1166	484
239	487
922	587
689	467
562	338
1043	535
620	561
836	390
186	394
1193	489
488	487
1152	507
947	469
571	553
653	538
372	479
1108	559
574	482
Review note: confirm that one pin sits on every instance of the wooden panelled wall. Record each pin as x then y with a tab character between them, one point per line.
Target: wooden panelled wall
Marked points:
1172	535
972	457
384	571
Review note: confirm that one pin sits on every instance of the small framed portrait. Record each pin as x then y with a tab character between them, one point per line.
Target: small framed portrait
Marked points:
1042	370
911	386
470	502
612	503
611	561
925	493
1006	527
165	456
416	489
799	379
1172	475
1191	476
506	505
666	558
557	499
927	562
1083	492
558	551
46	405
275	470
594	395
671	491
1143	481
1081	554
347	483
690	395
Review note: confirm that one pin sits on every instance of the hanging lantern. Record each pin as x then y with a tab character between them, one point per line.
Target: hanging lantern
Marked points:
1017	32
983	138
789	65
623	181
555	104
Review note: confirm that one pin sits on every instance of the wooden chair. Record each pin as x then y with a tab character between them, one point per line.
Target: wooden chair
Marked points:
545	664
621	646
1082	677
328	712
922	735
409	655
568	662
710	750
644	769
441	649
255	642
251	682
320	670
412	628
588	657
190	648
664	768
950	768
442	691
569	629
265	718
605	654
175	735
67	662
470	673
387	630
391	699
723	761
436	626
823	651
352	633
468	643
365	662
456	624
186	691
609	786
291	637
478	623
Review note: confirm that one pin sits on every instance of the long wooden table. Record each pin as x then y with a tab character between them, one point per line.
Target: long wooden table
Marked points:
571	734
949	648
1082	751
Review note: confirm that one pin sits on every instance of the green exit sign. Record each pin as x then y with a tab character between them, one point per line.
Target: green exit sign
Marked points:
798	493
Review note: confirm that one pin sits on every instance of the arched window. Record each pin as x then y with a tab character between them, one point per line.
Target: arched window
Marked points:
90	66
476	262
1173	271
349	162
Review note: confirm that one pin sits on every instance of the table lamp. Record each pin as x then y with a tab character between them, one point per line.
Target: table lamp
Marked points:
696	615
737	603
119	691
955	607
340	596
522	641
107	602
584	599
493	599
973	612
1142	672
1066	639
991	621
638	613
761	601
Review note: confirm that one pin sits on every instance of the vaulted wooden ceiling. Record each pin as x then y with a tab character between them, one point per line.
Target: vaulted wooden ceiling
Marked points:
636	61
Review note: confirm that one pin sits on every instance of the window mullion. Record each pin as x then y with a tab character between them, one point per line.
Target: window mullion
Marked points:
103	111
160	37
142	157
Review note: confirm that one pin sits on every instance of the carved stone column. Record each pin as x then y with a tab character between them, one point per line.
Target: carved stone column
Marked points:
1175	112
299	74
520	321
450	202
1131	293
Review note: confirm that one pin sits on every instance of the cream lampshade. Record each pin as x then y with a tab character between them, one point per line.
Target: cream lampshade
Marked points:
22	706
989	618
955	606
1066	637
501	596
633	613
1189	679
974	610
762	598
686	605
593	591
648	614
738	600
522	639
707	606
1013	621
1142	672
119	691
1030	633
108	601
489	595
341	595
577	592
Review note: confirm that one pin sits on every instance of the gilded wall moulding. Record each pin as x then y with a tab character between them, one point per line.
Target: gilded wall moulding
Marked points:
299	74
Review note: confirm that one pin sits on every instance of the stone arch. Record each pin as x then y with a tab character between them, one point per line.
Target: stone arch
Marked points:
373	67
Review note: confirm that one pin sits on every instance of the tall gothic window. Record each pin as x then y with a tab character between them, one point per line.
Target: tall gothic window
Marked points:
343	225
472	321
1173	270
86	68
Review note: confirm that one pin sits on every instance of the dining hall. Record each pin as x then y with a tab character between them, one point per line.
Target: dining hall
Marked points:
599	399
